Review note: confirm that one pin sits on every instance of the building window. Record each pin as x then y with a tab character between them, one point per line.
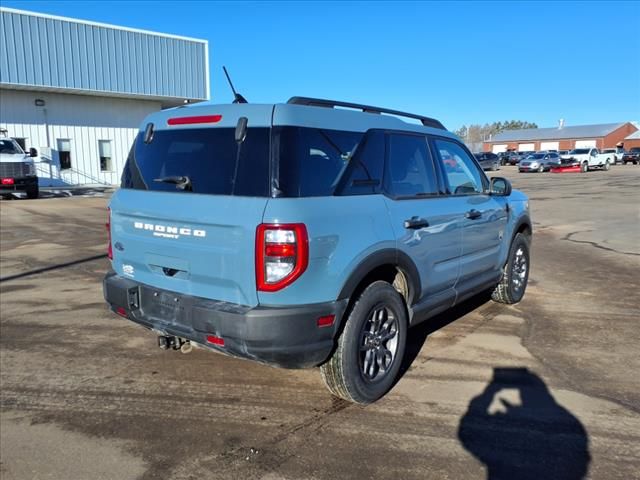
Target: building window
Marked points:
64	153
104	150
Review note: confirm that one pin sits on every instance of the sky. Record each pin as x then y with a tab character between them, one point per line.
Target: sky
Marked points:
460	62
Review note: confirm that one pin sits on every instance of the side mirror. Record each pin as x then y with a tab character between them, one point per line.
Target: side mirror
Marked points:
33	152
500	187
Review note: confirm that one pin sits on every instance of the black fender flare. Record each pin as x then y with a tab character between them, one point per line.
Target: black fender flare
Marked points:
388	256
523	220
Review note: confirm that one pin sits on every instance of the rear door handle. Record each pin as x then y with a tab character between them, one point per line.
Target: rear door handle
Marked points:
473	214
415	223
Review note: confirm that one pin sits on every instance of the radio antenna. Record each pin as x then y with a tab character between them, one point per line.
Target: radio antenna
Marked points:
237	98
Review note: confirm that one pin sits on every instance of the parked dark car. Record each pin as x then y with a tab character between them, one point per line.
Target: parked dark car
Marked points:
511	158
488	160
632	156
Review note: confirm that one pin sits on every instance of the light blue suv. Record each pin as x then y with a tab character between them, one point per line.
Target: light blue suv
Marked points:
310	233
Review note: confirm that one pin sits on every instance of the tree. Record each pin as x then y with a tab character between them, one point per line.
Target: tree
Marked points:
476	133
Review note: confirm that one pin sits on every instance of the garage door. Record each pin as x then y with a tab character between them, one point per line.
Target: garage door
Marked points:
499	148
526	147
549	145
585	143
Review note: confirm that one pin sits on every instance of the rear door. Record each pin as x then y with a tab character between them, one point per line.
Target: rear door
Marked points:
426	226
186	217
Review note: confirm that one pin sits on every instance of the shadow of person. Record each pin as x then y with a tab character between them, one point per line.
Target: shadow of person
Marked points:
516	428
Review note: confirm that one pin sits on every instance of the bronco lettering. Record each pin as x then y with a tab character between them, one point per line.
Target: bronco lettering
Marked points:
172	232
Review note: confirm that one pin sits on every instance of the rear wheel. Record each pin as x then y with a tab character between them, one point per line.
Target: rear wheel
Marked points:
33	192
515	274
370	348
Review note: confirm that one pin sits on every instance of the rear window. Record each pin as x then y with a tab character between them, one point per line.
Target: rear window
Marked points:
311	161
207	158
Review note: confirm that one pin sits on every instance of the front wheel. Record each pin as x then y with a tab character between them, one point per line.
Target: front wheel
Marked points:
515	274
541	169
370	348
585	167
607	165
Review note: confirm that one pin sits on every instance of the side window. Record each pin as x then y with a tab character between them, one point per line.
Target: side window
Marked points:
312	161
461	171
409	167
366	166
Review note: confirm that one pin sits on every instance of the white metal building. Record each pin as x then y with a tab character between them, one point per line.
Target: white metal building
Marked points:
77	90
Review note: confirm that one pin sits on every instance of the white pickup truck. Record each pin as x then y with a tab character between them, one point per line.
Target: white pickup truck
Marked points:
589	158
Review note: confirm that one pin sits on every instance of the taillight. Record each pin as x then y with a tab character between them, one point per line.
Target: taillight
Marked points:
282	255
108	225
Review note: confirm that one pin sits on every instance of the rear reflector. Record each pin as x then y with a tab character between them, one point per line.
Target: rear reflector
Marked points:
191	120
215	340
7	181
122	312
326	321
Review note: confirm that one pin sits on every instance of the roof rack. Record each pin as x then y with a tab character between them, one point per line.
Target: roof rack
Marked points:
318	102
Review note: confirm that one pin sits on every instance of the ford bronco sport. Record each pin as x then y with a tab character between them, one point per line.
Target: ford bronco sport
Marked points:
302	235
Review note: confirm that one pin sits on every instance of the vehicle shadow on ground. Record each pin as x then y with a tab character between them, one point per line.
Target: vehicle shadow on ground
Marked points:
517	429
417	336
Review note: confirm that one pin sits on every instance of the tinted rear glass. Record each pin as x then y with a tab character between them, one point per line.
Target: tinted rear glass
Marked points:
311	160
207	156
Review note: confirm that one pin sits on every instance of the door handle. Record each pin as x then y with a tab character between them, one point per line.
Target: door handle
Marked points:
473	214
415	223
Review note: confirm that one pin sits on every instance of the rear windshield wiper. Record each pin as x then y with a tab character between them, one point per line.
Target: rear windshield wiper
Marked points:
181	182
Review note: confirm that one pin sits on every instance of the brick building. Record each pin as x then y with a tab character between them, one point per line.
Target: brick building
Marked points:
632	140
606	135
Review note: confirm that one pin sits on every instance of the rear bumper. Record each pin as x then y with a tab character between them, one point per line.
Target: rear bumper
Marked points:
281	336
19	185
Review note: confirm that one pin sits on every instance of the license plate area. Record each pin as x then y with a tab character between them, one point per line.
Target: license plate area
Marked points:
166	307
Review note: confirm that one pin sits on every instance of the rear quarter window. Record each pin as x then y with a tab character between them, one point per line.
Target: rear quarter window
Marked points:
311	161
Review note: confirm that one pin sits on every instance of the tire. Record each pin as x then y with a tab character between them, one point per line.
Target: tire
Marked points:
584	167
515	274
353	372
607	166
33	192
541	169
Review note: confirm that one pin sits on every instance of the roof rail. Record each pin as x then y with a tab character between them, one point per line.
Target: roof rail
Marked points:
318	102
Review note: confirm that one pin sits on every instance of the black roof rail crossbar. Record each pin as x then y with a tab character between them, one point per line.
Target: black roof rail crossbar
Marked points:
318	102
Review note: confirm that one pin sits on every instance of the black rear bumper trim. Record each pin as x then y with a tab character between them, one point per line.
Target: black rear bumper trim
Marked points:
286	337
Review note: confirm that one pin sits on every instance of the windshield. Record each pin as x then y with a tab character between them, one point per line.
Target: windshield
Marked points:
580	151
10	147
536	156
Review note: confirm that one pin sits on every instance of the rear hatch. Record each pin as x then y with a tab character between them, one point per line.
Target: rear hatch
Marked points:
185	218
